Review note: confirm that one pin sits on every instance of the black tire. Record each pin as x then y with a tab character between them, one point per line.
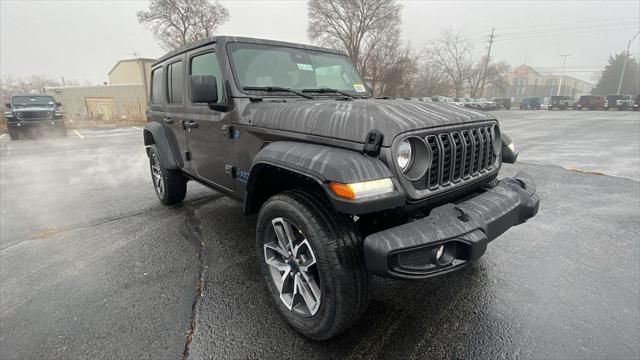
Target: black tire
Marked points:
14	134
340	268
170	185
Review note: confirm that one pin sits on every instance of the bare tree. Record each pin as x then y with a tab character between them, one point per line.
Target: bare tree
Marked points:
400	78
364	29
11	85
176	23
451	55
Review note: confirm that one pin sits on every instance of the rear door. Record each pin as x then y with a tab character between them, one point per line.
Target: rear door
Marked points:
167	104
209	131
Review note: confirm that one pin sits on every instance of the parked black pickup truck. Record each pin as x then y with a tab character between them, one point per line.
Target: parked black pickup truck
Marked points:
27	112
344	185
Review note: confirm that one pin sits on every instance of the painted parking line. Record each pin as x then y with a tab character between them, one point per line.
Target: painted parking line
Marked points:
2	136
137	128
77	133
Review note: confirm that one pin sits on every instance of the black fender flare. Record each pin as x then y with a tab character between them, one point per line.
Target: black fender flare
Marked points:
156	133
324	164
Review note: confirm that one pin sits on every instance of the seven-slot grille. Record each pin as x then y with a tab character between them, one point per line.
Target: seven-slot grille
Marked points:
457	156
34	115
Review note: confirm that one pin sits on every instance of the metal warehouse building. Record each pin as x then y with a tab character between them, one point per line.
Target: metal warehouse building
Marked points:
101	102
124	97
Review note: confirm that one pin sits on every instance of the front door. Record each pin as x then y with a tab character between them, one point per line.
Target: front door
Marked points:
209	145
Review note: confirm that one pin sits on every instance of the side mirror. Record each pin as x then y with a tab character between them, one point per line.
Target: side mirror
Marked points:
58	104
203	89
8	105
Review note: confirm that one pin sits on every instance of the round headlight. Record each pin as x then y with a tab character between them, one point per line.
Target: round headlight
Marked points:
403	155
497	139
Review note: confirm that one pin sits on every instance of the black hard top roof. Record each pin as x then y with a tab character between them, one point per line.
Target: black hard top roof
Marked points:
227	39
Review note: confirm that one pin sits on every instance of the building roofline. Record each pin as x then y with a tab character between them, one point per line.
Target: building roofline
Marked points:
130	60
90	86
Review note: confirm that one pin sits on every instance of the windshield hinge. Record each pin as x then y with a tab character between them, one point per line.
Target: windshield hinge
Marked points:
373	142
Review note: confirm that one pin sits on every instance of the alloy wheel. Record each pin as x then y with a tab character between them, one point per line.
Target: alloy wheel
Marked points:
156	175
293	268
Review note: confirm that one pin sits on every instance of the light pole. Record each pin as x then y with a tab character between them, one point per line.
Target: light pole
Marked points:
564	62
624	64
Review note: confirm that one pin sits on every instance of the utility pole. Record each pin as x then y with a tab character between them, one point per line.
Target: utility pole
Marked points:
564	62
624	64
486	61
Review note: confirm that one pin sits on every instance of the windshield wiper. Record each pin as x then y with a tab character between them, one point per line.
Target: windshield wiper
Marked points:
276	88
329	90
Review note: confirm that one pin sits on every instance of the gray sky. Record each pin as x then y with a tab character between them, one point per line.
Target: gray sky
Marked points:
82	40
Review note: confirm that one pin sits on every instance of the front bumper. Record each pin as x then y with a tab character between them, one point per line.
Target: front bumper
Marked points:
24	124
411	250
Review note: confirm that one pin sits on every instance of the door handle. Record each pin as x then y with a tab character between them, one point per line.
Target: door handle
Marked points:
189	124
167	120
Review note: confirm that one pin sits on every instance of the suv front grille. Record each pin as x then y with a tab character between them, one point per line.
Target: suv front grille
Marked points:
458	155
35	115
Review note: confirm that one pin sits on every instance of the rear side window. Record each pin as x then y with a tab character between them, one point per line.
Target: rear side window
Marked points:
207	64
156	86
175	83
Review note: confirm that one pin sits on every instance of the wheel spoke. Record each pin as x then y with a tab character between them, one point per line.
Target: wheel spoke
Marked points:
275	248
304	250
307	287
280	226
285	296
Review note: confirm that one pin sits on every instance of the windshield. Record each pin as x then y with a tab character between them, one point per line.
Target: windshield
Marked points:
41	101
257	65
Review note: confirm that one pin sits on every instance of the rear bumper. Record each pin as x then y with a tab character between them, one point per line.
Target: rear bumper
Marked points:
410	251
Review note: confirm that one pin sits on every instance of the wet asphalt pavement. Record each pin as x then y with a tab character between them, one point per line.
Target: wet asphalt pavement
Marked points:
92	266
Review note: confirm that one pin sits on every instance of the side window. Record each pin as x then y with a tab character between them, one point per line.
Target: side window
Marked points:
175	83
156	86
207	64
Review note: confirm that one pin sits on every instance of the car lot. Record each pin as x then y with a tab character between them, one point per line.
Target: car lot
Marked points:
92	266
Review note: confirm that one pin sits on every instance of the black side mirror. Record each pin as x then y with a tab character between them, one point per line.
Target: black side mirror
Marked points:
58	104
8	105
204	89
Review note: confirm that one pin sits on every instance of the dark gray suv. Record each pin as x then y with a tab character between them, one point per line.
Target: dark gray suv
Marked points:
344	185
28	112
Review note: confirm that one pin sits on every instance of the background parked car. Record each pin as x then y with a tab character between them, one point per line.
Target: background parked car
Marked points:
591	102
502	103
489	105
636	104
620	102
530	103
561	102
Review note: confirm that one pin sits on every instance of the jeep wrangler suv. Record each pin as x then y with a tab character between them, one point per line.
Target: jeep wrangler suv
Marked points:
344	185
561	103
27	112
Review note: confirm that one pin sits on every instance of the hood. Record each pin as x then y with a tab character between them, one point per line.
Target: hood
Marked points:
352	120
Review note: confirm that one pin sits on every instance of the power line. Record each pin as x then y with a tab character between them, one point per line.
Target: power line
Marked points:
538	35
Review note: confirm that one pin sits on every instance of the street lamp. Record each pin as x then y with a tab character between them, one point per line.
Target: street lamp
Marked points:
624	64
564	62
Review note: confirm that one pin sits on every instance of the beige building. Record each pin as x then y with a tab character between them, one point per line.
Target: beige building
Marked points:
526	81
124	97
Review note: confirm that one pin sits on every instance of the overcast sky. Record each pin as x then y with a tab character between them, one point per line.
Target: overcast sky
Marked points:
82	40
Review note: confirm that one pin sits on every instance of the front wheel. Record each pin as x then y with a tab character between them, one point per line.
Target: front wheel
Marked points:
312	263
170	185
14	134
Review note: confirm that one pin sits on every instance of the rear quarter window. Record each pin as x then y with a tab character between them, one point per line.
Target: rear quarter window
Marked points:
156	86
